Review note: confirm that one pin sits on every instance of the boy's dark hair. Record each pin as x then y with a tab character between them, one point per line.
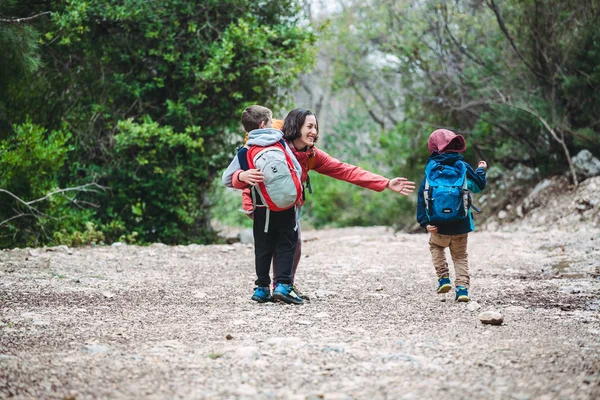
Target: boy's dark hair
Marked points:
293	123
254	115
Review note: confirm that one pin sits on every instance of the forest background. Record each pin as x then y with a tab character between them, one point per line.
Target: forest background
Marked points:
117	116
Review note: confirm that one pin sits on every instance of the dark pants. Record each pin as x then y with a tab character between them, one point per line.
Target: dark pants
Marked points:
297	256
278	244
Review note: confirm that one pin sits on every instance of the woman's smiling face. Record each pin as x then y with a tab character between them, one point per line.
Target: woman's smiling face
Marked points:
308	133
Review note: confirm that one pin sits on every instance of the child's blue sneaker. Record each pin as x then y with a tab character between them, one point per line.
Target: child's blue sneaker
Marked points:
262	294
444	285
462	294
286	293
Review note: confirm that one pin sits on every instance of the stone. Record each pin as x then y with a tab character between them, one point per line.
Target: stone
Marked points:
284	341
63	248
473	306
519	211
336	396
491	318
246	236
96	348
333	349
246	390
247	353
569	290
492	226
586	164
502	214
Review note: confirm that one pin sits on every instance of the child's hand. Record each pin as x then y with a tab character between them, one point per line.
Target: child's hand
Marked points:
431	228
251	177
482	164
401	185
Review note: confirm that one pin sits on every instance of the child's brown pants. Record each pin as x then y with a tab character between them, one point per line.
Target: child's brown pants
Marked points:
458	252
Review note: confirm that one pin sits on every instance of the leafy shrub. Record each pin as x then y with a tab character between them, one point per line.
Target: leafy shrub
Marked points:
31	160
156	184
77	239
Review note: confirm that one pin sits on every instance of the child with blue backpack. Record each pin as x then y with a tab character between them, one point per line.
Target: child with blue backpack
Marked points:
444	207
273	175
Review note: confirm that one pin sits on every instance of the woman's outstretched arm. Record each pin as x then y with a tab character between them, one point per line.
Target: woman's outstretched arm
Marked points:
327	165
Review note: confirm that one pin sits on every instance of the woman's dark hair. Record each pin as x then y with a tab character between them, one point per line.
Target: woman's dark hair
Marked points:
293	123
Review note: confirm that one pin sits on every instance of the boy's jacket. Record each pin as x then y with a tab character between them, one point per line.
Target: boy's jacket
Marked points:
476	177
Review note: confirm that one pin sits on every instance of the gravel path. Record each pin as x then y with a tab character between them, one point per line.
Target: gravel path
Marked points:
163	322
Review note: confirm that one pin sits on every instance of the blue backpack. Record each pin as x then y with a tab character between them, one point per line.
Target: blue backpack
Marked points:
446	195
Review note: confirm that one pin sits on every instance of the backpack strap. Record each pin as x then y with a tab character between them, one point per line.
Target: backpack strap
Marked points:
427	192
243	158
310	164
467	198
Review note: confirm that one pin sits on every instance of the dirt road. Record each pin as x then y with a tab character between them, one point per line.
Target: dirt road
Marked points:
177	322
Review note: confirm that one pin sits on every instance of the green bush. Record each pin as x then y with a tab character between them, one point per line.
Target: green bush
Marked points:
157	184
335	203
77	239
31	160
225	206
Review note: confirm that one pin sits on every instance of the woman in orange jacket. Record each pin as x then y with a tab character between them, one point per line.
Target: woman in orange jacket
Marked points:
301	130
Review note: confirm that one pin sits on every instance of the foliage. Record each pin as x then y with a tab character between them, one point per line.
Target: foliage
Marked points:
336	203
226	206
19	43
152	92
154	181
31	160
76	239
518	78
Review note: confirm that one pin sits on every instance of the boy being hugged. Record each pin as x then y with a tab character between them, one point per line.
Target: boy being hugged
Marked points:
272	173
444	204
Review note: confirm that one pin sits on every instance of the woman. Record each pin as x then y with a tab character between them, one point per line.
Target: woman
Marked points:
301	131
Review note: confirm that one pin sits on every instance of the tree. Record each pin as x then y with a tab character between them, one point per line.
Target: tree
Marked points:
518	78
174	69
19	45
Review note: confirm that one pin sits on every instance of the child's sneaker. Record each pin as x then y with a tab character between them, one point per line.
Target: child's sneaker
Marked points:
262	294
285	293
444	284
462	293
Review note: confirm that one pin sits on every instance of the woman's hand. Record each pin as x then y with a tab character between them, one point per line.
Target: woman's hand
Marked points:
251	177
482	164
401	185
431	228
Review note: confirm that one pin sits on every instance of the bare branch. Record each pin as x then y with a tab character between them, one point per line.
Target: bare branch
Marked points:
34	212
375	118
22	20
82	188
494	7
14	196
554	135
15	217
